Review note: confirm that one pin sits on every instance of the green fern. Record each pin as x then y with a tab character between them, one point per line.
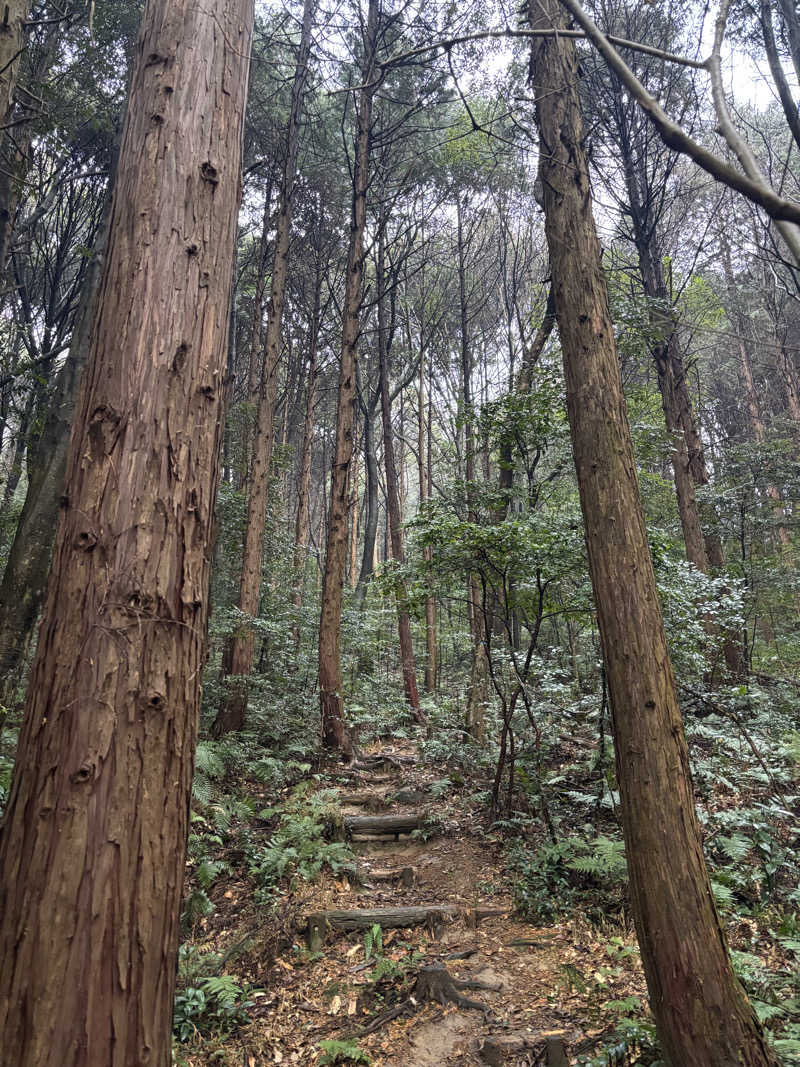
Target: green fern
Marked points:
208	871
766	1012
735	847
342	1052
224	989
605	859
208	761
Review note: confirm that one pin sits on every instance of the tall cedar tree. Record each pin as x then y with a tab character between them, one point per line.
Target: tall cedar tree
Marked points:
231	714
394	517
93	845
704	1018
334	732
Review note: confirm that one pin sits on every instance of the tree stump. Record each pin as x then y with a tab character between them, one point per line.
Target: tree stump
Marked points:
436	983
550	1049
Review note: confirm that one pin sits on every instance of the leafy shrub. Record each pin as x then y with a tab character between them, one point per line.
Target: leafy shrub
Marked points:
207	1002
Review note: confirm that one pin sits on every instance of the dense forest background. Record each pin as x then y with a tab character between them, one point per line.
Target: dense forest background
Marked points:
426	594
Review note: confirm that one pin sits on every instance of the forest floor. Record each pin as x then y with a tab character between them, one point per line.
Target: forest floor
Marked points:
533	991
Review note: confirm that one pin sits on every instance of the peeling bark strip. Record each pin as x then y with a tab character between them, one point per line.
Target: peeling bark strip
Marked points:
704	1018
92	850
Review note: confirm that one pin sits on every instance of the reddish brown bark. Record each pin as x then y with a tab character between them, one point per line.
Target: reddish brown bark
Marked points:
231	715
334	732
352	567
703	1016
92	848
301	527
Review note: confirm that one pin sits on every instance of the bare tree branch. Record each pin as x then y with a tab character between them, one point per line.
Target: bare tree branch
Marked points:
674	136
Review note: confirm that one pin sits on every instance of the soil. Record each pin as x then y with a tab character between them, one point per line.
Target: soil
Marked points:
537	981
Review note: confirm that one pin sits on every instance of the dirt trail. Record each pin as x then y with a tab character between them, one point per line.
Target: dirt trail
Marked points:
526	975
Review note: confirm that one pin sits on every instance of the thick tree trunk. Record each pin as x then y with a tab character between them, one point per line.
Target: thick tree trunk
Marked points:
393	518
25	577
232	712
93	844
702	1013
334	732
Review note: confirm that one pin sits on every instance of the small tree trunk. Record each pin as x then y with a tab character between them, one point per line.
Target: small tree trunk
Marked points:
334	733
424	448
371	508
231	714
254	354
93	844
393	516
479	679
703	1016
301	529
352	564
790	384
12	44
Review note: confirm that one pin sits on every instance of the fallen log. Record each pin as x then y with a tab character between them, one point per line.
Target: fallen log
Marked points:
383	824
319	923
508	1048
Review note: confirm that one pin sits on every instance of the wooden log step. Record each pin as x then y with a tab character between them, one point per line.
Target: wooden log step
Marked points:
508	1048
406	876
383	824
319	923
370	801
382	759
366	778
